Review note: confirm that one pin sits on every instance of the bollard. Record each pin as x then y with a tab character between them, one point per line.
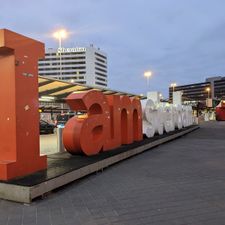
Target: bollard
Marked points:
60	146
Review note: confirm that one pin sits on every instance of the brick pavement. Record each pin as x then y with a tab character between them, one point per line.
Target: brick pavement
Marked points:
178	183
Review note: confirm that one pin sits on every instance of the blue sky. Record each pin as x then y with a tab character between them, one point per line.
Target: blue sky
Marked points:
180	41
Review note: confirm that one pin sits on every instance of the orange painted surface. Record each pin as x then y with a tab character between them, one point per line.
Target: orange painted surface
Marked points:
87	135
19	117
113	139
110	121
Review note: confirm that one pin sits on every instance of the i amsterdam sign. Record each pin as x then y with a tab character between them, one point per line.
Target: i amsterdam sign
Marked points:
109	122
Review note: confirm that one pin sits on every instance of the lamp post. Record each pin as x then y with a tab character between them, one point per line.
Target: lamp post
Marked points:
148	74
173	85
208	90
59	35
160	96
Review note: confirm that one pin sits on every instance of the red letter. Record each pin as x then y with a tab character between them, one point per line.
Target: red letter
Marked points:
126	121
19	117
87	134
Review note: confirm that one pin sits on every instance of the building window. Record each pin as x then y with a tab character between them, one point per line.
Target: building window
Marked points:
98	64
100	60
101	79
99	83
101	56
100	74
99	69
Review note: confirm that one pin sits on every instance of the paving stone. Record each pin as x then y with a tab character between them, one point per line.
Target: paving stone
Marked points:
179	183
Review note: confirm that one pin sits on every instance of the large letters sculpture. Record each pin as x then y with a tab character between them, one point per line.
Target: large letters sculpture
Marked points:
109	122
19	117
163	117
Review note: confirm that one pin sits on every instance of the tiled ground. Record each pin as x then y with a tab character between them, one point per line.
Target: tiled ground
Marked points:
178	183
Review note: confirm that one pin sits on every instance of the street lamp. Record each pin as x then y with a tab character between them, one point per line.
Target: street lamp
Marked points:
173	85
59	35
160	96
208	90
148	74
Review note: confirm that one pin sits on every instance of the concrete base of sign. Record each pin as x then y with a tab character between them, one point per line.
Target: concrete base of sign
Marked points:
64	168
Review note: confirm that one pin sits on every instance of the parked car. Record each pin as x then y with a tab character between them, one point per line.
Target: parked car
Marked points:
46	128
62	119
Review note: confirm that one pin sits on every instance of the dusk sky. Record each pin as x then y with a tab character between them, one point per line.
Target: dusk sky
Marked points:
180	41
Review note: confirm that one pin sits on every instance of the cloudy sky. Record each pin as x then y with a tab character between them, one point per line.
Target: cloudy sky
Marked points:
181	41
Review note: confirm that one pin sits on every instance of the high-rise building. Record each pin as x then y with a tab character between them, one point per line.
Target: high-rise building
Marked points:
85	65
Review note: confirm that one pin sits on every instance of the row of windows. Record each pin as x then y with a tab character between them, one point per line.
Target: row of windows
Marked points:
101	79
99	69
198	85
219	86
219	93
65	53
100	74
192	91
63	68
101	56
73	78
98	64
74	73
62	63
100	60
63	73
189	89
81	77
62	58
69	79
48	74
192	94
99	83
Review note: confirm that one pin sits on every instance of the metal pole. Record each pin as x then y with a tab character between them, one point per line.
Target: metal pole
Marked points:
148	82
60	65
60	59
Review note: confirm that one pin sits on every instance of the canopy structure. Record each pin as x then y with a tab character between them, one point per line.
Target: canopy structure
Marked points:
58	90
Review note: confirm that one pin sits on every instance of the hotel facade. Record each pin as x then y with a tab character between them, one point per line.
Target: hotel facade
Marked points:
84	65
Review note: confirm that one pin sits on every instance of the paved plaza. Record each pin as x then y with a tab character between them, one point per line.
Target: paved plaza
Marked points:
179	183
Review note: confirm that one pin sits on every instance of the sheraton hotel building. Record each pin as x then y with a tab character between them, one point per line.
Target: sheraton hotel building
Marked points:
84	65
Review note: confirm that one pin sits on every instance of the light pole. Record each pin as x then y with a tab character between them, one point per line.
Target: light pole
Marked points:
208	90
173	85
160	96
59	35
148	74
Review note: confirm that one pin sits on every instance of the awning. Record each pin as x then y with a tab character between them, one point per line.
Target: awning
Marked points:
59	89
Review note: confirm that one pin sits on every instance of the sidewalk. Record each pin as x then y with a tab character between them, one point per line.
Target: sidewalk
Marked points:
181	182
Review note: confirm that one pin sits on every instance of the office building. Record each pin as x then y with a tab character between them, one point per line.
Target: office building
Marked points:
219	88
84	65
213	87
